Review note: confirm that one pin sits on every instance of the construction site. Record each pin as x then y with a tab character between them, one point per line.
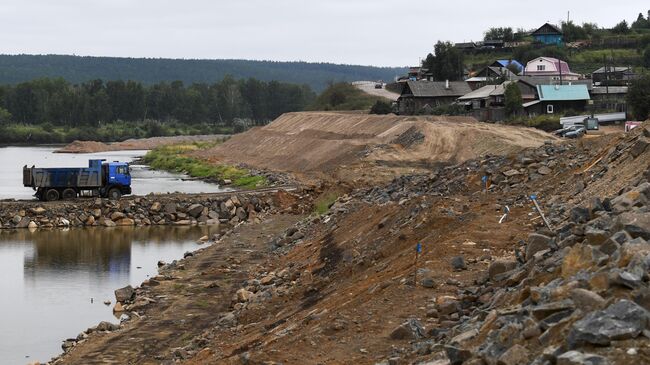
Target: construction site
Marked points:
408	240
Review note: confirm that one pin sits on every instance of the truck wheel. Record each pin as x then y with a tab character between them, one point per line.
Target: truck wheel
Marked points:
114	194
69	194
52	195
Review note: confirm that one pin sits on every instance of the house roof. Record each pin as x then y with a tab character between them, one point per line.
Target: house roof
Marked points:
506	63
432	89
564	67
548	29
612	69
485	92
550	80
465	45
599	90
562	92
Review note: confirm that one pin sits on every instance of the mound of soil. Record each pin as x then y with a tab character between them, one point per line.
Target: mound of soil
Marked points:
346	145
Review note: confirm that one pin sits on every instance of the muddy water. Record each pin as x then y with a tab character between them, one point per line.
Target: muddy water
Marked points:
53	283
145	181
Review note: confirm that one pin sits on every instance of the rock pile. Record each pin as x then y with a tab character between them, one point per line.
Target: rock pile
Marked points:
138	211
581	295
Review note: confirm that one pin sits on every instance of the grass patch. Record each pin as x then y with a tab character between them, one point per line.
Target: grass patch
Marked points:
175	158
323	203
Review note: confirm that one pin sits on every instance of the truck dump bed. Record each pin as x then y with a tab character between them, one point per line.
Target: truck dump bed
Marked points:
78	177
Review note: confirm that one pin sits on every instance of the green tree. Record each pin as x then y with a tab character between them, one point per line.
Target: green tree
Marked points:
621	28
573	32
514	101
638	98
641	22
446	63
502	34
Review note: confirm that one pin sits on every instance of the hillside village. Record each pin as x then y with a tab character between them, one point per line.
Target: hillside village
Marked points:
545	85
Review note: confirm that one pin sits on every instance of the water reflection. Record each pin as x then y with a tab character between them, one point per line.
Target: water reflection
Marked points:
47	280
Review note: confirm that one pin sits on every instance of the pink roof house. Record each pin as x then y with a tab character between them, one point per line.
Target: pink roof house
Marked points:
550	67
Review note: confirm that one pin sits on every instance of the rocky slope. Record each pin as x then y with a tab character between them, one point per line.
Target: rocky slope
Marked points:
493	284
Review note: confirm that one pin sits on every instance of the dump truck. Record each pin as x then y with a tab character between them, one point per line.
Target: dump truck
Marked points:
100	179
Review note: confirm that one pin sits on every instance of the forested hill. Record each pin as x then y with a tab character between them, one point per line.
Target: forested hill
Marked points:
76	69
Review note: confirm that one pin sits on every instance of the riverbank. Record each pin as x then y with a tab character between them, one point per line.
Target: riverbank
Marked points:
170	209
139	143
179	158
14	133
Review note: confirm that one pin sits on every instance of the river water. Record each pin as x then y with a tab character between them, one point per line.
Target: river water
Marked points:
144	181
53	282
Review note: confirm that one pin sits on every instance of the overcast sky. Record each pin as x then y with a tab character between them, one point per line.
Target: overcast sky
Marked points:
367	32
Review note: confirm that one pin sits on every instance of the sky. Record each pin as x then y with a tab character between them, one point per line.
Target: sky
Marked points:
365	32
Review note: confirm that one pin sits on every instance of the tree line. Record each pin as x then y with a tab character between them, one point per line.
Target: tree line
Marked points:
61	103
76	69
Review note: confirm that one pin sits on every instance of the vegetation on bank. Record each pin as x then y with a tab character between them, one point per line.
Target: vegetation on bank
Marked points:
176	158
46	133
93	103
344	96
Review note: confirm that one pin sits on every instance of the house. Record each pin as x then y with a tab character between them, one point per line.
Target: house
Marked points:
610	98
508	64
493	43
466	46
613	76
548	34
550	67
558	99
486	103
490	75
421	97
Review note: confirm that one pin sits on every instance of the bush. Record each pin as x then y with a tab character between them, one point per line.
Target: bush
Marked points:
381	107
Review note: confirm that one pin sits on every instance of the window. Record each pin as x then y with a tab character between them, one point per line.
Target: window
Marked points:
549	109
123	170
541	67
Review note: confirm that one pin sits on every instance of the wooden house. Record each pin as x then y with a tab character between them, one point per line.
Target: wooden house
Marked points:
420	97
549	34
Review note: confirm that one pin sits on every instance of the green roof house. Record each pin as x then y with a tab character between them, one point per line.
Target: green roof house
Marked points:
558	99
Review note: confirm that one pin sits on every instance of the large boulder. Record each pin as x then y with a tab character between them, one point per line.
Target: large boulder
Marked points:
412	329
195	210
635	223
537	242
125	294
620	321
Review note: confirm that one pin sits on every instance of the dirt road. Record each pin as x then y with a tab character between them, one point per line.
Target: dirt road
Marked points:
369	88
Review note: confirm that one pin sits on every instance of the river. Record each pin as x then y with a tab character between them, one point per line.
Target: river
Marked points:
144	180
53	282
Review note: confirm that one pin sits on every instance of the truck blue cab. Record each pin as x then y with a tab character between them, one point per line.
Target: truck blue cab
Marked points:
100	179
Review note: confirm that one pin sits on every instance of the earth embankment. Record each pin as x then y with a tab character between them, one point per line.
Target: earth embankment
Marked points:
348	146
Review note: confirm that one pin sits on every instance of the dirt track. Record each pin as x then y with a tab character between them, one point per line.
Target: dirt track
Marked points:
369	88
